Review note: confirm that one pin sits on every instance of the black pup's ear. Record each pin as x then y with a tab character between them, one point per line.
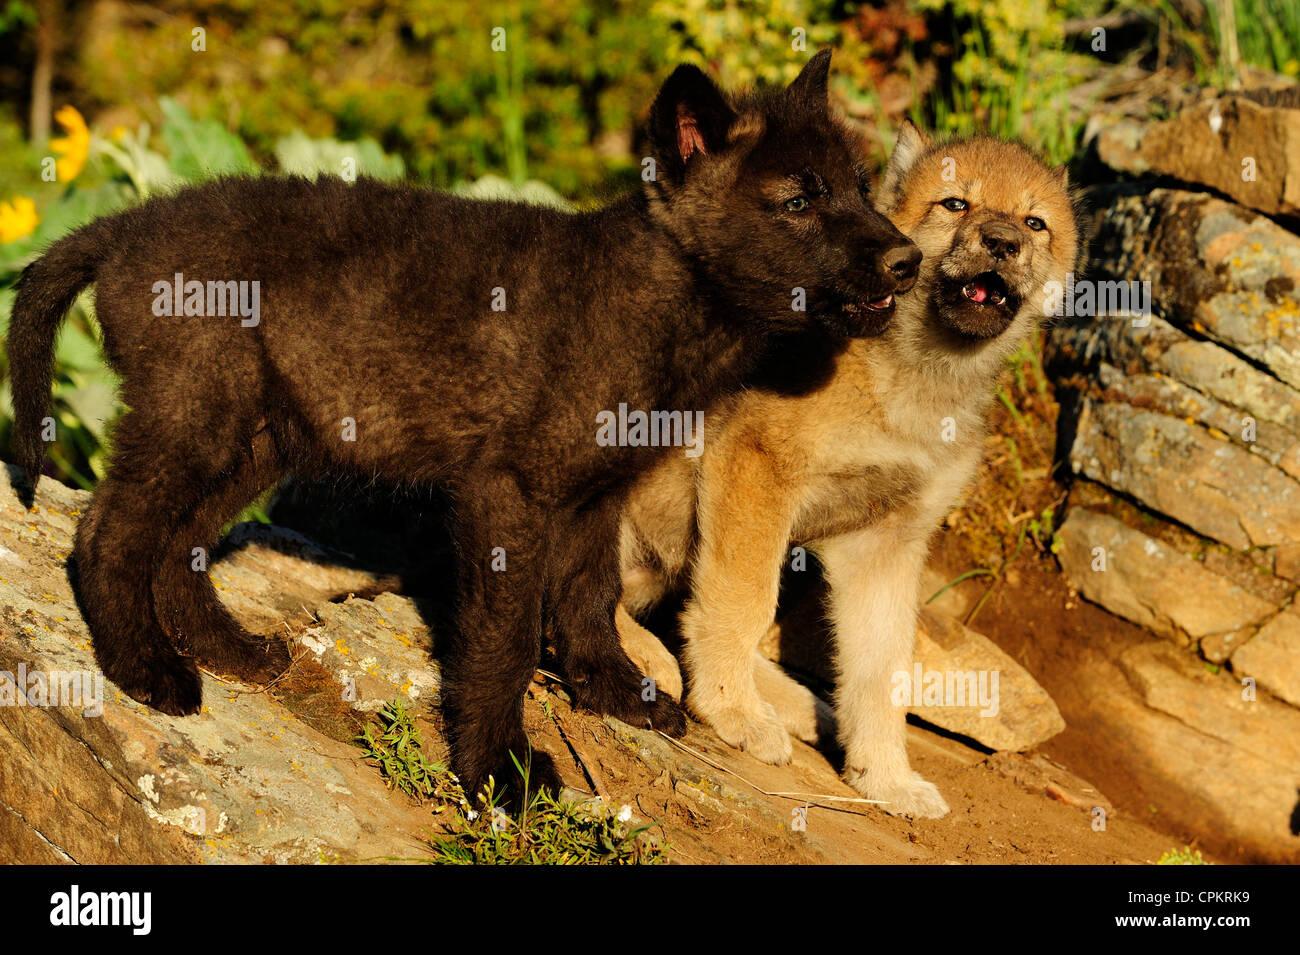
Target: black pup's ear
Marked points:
689	116
810	86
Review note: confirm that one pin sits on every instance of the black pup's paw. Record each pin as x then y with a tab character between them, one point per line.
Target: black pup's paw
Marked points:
170	684
248	660
620	691
667	716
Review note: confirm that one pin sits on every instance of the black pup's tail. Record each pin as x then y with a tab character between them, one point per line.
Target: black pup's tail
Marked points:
46	290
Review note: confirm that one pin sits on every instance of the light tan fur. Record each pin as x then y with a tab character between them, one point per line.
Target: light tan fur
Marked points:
860	471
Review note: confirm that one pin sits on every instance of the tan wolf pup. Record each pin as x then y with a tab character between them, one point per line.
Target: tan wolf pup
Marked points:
860	471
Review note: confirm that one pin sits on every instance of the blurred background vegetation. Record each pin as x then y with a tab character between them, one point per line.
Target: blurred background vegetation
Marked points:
104	102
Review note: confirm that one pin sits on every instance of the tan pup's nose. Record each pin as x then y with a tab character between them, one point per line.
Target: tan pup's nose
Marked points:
1002	240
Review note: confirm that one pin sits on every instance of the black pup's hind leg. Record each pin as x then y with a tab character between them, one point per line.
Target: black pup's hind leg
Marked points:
497	643
584	592
184	598
119	542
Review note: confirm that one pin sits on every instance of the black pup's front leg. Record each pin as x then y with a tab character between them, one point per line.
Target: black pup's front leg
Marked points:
583	596
497	643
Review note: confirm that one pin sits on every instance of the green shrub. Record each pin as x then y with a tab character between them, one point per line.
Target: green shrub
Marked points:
1009	73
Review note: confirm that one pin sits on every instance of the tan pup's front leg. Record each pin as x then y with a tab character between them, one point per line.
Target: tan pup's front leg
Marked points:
874	576
746	510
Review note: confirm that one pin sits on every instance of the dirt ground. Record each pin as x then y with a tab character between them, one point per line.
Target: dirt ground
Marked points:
1036	618
1058	636
714	804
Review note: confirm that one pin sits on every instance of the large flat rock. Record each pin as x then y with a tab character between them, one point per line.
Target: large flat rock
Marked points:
1272	656
1160	368
245	780
1235	761
1218	270
1147	581
1183	470
1244	149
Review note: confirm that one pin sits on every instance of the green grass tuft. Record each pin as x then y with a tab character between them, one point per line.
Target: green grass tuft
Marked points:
550	831
395	748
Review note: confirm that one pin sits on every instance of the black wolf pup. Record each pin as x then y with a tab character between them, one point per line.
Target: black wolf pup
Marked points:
400	333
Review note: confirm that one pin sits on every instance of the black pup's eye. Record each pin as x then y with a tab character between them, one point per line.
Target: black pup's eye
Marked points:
954	204
1035	223
797	204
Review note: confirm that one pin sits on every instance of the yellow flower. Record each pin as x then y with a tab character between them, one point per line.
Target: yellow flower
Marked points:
74	147
17	219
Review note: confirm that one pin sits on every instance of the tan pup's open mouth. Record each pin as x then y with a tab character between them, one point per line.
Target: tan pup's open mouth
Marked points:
977	307
986	288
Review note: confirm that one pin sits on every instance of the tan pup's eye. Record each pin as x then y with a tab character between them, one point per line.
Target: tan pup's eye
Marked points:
797	204
953	204
1035	223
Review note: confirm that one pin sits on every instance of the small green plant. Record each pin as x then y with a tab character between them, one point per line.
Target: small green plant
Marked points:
1043	530
549	831
1184	856
976	572
395	748
1028	355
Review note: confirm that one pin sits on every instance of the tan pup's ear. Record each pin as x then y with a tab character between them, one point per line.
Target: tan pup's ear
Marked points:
1062	176
909	147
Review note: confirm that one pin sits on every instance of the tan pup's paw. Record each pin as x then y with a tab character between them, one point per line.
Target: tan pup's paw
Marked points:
912	795
803	714
759	731
650	656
